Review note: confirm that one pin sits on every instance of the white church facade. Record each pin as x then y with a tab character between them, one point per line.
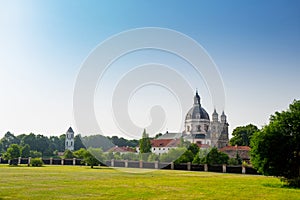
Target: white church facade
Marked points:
69	141
199	129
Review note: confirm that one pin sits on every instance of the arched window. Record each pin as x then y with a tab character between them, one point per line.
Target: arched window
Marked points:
198	128
206	127
188	128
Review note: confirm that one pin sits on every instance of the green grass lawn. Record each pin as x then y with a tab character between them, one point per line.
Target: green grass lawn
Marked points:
75	182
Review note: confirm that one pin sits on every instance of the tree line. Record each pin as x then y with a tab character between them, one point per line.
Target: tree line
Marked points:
32	145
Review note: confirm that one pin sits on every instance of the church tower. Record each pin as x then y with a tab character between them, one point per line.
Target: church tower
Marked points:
69	143
223	140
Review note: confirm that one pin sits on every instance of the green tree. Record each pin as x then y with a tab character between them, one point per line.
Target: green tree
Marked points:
194	149
43	144
80	153
92	158
62	139
276	148
186	157
216	157
13	152
25	151
35	154
242	135
109	155
78	143
30	140
200	158
68	154
130	156
145	145
153	157
172	155
8	139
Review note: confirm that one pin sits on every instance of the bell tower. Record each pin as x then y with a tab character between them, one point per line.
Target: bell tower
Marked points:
69	142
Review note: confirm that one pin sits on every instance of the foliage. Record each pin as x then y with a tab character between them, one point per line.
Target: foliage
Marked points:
194	149
145	145
68	154
117	156
184	143
35	154
7	140
233	161
238	158
172	155
122	142
144	156
153	157
78	143
186	157
200	158
242	135
158	135
13	152
25	151
276	148
109	155
80	153
97	141
36	162
216	157
93	156
130	156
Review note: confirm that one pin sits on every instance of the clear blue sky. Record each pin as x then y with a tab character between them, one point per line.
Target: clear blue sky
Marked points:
255	44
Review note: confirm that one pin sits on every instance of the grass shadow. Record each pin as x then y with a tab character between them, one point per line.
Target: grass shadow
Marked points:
273	185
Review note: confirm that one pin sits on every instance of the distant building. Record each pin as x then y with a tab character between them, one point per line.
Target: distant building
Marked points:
160	146
69	142
243	151
121	150
200	130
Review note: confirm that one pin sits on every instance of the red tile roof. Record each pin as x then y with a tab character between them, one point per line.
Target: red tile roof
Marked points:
231	151
231	148
165	143
121	149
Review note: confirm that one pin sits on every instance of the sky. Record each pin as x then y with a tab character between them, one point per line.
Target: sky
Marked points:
255	46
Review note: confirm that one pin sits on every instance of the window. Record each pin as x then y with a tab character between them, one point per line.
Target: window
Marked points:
188	128
158	148
198	128
154	149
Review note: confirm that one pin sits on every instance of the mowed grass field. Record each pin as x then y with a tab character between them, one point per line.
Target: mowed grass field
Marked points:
75	182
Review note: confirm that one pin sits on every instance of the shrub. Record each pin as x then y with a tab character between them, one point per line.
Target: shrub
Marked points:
36	162
233	161
295	182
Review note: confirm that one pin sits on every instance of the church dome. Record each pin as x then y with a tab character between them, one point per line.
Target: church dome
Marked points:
197	112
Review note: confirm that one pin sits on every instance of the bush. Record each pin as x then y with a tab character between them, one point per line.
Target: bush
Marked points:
233	161
36	162
295	182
